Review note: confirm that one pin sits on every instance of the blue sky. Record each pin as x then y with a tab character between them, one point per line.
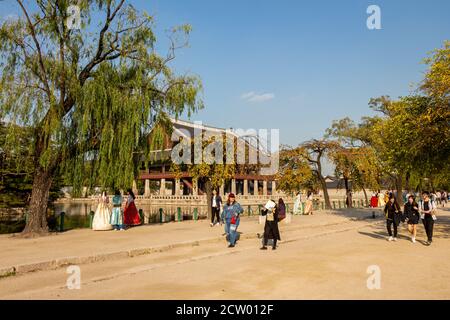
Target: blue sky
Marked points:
315	60
297	65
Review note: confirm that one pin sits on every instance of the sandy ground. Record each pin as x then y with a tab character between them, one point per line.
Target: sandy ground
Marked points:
324	257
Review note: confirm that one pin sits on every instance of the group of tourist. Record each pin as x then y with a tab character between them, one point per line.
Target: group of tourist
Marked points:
413	212
232	211
379	199
117	216
121	215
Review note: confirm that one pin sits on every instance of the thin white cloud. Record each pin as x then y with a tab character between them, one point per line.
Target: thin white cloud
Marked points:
255	97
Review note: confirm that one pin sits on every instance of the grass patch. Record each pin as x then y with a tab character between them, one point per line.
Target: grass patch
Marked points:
8	274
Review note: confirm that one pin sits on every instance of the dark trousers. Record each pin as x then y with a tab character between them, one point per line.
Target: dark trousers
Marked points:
266	240
389	224
215	214
428	223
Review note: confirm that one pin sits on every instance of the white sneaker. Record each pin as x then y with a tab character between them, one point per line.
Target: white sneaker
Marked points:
413	240
211	224
390	239
395	239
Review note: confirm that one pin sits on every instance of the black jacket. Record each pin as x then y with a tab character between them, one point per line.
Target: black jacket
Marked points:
218	200
412	214
392	211
271	230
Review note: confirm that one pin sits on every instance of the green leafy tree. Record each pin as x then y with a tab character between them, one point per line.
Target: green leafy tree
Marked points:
90	94
315	152
295	174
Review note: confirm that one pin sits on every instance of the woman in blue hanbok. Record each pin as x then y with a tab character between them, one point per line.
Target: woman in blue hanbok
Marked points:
117	213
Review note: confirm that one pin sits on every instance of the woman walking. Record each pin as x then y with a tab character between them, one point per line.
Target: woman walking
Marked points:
231	214
427	210
271	230
216	205
393	217
117	213
309	204
131	215
102	214
411	211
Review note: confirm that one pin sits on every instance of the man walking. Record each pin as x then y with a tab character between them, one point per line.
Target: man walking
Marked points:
427	210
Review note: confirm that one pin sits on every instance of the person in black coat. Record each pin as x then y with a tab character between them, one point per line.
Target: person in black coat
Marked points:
393	217
216	205
271	230
411	211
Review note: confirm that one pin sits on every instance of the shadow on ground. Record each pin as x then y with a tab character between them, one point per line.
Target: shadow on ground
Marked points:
441	230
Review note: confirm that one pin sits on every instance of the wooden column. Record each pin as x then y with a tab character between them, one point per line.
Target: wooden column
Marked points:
245	187
255	187
194	187
134	188
274	187
147	188
162	187
265	187
177	187
233	186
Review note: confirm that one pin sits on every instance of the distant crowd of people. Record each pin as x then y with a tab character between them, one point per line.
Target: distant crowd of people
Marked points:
379	199
120	214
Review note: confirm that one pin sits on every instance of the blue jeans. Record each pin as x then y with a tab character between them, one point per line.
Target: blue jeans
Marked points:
118	226
232	234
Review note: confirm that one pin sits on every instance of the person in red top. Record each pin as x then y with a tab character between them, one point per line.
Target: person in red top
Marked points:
131	215
374	200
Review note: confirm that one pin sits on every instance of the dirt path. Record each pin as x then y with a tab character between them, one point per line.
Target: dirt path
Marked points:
321	262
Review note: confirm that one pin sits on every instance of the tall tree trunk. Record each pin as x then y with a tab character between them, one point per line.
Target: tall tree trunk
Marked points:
365	195
399	187
208	197
326	197
407	184
323	183
37	214
348	193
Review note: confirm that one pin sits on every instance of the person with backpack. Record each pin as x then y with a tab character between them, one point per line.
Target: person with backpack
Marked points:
411	211
272	212
428	215
231	215
393	217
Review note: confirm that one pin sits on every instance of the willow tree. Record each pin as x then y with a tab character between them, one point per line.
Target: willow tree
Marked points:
89	82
